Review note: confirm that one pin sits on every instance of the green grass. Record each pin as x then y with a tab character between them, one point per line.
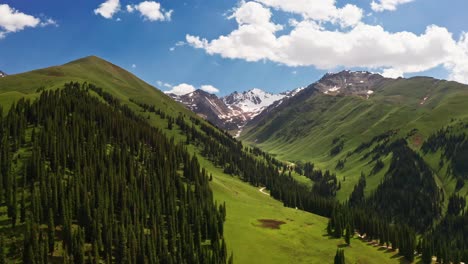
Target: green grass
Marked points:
111	78
304	130
301	239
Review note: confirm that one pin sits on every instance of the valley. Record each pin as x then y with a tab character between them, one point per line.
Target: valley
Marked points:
233	132
256	223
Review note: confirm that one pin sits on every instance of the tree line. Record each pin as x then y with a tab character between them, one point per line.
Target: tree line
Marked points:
92	180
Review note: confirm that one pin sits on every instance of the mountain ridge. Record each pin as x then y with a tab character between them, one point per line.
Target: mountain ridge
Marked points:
231	112
118	90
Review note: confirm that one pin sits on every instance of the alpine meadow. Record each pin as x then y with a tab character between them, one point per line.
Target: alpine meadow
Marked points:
253	131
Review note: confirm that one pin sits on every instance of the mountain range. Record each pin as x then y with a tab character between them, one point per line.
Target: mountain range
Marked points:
234	111
2	74
90	96
354	147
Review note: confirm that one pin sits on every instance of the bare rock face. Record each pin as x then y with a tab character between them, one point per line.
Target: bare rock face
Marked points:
233	111
210	107
360	83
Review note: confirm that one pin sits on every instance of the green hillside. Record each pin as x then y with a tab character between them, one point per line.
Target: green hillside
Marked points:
394	155
113	79
304	130
301	238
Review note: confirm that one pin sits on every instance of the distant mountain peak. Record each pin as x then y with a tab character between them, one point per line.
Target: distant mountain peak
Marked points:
231	112
2	74
360	83
256	91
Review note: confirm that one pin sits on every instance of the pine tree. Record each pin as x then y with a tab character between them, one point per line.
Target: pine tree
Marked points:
2	251
348	235
339	257
51	231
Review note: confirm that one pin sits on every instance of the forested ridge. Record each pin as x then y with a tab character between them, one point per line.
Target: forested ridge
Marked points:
86	180
260	169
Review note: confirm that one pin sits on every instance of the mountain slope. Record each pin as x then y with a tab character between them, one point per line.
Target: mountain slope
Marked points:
113	79
307	126
132	141
211	108
233	111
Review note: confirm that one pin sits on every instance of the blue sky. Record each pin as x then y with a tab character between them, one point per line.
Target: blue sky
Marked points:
228	45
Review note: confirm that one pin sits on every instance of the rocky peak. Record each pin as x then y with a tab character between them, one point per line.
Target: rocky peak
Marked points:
361	83
2	74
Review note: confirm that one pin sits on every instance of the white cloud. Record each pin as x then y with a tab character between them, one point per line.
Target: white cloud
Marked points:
391	5
185	88
164	84
209	89
182	89
310	44
458	64
196	42
134	66
12	20
108	8
49	22
151	11
319	10
178	44
392	73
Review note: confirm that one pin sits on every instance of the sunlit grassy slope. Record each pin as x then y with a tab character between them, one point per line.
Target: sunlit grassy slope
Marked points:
300	240
304	131
113	79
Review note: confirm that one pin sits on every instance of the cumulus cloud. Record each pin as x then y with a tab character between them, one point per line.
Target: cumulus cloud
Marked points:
209	89
308	43
12	20
391	5
319	10
134	66
151	11
185	88
182	89
392	73
458	63
108	8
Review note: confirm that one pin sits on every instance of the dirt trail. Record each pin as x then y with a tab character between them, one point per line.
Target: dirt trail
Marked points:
262	190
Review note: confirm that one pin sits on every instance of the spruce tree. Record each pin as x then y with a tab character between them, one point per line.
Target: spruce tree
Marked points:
339	257
347	235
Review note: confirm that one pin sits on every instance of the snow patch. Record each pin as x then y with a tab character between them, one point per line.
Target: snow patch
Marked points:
424	100
334	89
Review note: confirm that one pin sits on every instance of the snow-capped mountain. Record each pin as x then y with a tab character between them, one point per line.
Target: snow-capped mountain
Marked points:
210	107
231	112
2	74
253	101
234	111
